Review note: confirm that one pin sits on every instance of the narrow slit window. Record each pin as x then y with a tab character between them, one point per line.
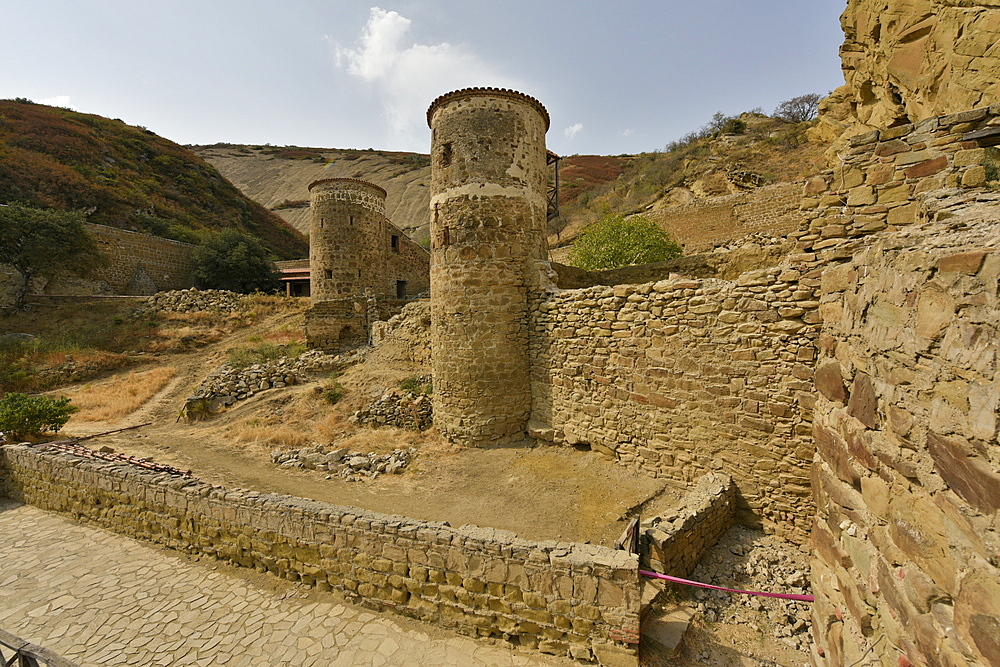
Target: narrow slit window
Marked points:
395	243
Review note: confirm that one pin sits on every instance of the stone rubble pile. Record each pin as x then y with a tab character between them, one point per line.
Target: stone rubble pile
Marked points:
401	409
192	300
352	466
228	385
750	560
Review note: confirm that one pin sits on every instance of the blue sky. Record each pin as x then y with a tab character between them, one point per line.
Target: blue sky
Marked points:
616	77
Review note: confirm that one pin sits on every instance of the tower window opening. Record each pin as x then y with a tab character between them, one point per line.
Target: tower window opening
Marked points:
395	243
359	273
328	273
446	155
350	219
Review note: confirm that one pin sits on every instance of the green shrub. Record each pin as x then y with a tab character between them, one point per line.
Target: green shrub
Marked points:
334	393
416	384
615	241
22	415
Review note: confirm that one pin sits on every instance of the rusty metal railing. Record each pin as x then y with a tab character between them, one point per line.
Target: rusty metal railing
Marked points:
15	652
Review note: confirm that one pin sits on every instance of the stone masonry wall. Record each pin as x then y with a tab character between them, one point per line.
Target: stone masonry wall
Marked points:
883	174
683	377
139	264
488	205
907	472
704	223
409	262
674	542
561	598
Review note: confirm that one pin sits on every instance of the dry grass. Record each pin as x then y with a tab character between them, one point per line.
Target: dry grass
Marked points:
119	397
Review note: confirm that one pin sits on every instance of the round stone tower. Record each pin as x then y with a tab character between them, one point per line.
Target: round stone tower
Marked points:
347	251
488	206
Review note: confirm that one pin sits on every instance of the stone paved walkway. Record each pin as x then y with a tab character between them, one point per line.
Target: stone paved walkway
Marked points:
102	599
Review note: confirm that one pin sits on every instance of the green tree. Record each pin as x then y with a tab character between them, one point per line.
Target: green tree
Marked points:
43	242
232	260
615	241
22	415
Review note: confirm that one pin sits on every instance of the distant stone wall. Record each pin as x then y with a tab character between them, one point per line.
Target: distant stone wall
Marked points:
773	209
561	598
407	261
685	377
140	264
906	480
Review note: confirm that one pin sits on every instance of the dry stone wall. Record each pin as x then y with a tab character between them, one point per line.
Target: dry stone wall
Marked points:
907	471
406	261
683	377
139	264
715	220
674	542
882	176
562	598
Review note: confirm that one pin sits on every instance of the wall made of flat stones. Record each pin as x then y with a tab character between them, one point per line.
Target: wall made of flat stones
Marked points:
883	174
674	542
561	598
907	471
683	377
408	261
773	209
140	264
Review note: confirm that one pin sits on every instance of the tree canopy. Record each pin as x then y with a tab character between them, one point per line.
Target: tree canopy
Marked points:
232	260
43	242
615	241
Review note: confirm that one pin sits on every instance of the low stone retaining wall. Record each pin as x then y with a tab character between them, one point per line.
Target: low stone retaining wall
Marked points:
674	542
561	598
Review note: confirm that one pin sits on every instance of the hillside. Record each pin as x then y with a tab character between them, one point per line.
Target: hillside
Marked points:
704	164
279	178
126	176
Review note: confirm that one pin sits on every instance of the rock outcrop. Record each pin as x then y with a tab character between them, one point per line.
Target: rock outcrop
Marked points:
906	60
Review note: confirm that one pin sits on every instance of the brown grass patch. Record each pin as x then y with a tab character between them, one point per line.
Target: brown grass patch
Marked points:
120	397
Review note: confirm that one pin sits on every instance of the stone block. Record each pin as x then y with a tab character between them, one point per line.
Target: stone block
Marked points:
969	476
894	193
861	196
927	167
903	215
970	157
968	263
863	404
974	177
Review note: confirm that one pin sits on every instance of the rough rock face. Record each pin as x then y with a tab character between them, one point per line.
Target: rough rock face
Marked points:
906	60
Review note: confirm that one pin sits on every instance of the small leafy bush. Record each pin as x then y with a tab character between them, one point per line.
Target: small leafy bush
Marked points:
616	241
416	384
22	415
333	393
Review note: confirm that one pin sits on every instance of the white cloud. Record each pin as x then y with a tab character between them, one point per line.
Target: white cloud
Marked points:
629	132
573	130
57	101
408	76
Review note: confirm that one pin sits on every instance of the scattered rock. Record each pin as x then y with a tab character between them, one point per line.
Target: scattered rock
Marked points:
352	466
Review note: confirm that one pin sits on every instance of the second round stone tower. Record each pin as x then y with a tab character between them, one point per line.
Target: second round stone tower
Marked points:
347	252
488	208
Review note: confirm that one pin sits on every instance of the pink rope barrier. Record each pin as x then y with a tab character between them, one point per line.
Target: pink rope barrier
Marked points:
688	582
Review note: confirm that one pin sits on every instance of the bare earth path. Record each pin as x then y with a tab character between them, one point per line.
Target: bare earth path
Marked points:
101	599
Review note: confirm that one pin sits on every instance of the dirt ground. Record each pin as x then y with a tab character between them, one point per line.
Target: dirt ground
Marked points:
537	492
